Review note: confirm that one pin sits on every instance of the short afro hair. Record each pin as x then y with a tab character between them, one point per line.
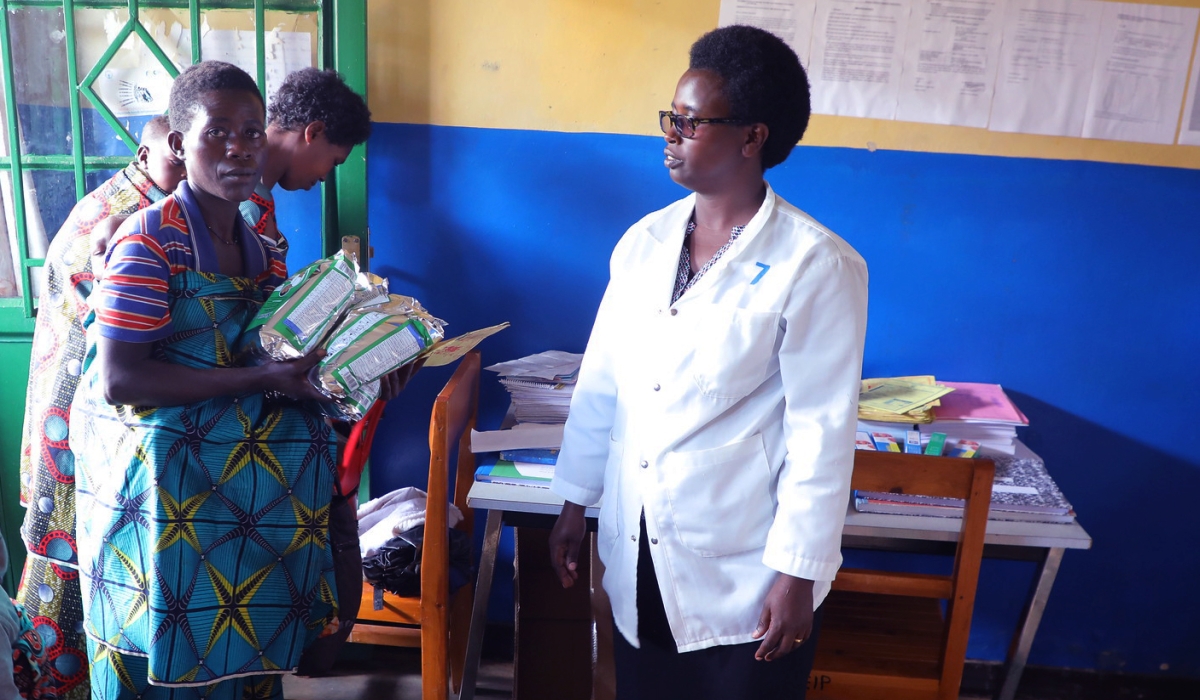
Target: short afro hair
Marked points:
155	129
763	82
309	95
199	78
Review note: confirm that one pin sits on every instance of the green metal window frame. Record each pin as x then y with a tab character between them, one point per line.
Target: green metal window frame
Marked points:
342	45
342	30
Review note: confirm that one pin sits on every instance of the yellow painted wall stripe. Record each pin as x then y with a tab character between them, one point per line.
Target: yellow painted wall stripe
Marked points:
609	66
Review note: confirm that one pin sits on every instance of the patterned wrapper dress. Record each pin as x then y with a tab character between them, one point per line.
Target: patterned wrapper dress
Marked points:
202	528
49	591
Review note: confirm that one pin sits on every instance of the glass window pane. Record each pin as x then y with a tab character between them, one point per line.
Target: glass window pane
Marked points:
54	192
290	43
133	84
42	94
10	285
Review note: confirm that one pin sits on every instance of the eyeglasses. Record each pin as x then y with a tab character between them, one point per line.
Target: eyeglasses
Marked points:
685	126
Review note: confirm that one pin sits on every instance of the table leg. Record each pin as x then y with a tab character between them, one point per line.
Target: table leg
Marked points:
483	589
1018	651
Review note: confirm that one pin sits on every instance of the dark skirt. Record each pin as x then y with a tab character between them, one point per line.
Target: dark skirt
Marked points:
657	671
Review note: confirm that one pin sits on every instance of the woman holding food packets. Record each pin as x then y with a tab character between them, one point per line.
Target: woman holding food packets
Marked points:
203	494
715	408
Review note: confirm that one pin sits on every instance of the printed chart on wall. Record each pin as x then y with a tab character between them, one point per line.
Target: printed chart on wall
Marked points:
1077	68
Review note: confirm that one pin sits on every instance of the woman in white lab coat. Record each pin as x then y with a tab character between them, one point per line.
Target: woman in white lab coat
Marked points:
715	409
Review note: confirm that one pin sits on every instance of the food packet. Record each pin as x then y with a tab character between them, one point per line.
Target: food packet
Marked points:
300	312
370	342
369	288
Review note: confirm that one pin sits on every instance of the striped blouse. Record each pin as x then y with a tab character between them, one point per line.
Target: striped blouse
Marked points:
131	303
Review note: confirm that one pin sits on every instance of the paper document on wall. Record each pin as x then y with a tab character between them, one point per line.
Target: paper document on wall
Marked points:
857	56
284	52
1046	66
790	20
134	83
950	62
1139	72
1189	133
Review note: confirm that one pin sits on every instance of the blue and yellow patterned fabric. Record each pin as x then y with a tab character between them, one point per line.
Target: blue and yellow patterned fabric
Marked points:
202	528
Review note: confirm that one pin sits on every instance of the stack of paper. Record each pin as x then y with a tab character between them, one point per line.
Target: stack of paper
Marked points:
900	399
1023	490
522	436
979	412
540	385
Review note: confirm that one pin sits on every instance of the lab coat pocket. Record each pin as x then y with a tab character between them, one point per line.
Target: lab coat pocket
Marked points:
734	348
610	506
720	498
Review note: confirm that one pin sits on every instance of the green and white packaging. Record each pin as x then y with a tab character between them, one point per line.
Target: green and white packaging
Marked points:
300	313
370	342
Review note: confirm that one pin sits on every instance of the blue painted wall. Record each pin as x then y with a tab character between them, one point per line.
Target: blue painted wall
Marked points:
1069	283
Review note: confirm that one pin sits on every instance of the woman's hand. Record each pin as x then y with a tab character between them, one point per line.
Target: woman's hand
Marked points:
290	377
564	543
391	384
787	617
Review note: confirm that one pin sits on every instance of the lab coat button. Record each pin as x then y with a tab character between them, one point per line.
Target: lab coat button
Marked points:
633	538
645	464
653	540
657	387
674	311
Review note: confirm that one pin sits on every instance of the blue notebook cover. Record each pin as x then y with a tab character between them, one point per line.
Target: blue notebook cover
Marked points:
503	472
535	455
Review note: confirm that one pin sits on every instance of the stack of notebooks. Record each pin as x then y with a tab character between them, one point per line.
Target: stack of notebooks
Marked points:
529	467
540	386
1022	491
971	413
979	412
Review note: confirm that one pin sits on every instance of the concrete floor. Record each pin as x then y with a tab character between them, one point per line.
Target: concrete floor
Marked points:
387	673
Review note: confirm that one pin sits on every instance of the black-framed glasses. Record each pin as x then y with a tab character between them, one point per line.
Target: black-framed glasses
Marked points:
685	126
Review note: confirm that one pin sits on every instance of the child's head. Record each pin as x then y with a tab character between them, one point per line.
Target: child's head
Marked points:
217	128
317	118
155	156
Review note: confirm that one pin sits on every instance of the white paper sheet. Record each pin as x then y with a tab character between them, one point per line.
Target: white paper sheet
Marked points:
134	83
1046	66
790	20
857	55
1189	133
950	62
1139	72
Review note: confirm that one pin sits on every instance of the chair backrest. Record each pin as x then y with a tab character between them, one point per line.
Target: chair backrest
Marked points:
967	479
450	426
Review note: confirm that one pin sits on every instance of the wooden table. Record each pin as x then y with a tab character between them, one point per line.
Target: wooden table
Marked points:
1042	543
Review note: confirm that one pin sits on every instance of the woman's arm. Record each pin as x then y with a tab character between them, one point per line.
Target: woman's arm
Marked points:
820	362
130	376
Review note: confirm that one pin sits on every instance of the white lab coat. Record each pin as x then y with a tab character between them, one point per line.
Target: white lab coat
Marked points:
729	417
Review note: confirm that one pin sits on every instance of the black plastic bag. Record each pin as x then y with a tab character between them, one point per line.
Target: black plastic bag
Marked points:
396	567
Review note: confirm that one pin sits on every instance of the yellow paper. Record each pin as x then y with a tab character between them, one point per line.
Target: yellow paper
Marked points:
450	350
897	396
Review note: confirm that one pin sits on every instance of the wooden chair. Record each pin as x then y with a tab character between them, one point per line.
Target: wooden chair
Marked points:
436	622
885	635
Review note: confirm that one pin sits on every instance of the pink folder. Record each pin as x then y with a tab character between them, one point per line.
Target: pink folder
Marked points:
978	403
